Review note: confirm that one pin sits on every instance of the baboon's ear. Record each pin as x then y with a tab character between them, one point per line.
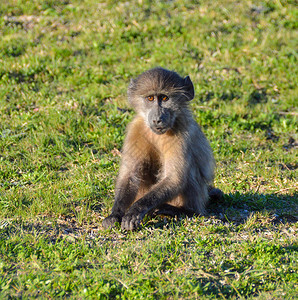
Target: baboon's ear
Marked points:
130	91
189	88
131	83
131	87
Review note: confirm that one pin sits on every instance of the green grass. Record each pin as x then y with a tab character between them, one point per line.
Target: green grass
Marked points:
64	70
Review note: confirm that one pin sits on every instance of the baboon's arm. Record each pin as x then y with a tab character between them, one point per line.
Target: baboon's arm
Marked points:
126	191
161	192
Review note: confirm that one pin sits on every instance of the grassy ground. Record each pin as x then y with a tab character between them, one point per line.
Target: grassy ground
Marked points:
64	70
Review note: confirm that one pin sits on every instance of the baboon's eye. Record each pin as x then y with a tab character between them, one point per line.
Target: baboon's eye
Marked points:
150	98
164	97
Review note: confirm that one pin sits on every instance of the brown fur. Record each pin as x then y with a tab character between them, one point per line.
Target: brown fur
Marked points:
167	161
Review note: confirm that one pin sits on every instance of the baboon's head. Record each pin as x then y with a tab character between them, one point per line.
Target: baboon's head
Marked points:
159	95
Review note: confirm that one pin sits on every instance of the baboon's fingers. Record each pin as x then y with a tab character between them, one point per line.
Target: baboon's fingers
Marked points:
110	221
131	222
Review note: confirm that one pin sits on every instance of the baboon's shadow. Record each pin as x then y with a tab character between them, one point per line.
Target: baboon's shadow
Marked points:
237	208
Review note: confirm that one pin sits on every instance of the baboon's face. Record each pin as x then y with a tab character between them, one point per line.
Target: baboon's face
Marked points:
159	95
159	112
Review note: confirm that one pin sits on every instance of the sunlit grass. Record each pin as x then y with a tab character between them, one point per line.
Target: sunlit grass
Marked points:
64	70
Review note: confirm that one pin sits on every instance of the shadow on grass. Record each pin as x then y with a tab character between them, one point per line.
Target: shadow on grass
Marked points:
237	207
234	208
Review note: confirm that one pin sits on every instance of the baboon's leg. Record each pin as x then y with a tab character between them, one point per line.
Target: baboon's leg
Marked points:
195	195
173	211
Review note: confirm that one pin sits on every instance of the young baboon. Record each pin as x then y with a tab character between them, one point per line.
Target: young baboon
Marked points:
167	163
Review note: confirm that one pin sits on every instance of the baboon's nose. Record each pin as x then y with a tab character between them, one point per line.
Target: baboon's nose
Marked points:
157	121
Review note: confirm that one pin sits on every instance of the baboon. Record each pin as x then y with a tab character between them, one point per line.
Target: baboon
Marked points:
167	163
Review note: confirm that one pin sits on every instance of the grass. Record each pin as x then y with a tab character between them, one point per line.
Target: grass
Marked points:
64	70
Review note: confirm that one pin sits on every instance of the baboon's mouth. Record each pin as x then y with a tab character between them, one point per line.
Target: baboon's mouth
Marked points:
159	130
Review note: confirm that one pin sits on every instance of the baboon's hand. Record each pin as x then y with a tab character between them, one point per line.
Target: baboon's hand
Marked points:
131	221
110	221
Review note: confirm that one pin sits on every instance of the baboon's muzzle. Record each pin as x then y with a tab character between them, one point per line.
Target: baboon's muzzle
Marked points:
160	120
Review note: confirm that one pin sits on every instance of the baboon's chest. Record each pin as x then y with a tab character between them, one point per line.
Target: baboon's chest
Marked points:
152	167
